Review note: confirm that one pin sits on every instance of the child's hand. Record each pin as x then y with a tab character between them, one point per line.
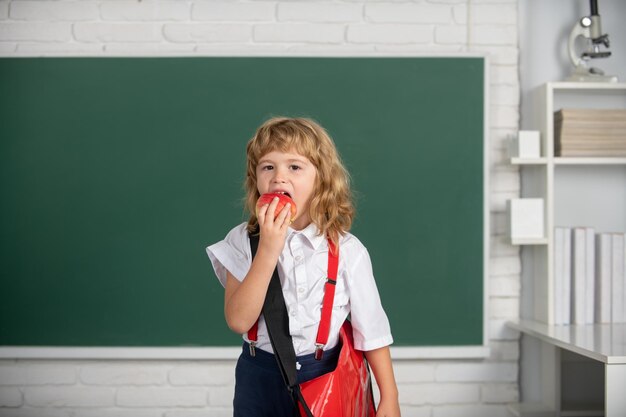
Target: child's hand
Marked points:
273	227
388	409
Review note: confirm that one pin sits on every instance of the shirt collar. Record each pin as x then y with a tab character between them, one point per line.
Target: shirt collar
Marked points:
312	235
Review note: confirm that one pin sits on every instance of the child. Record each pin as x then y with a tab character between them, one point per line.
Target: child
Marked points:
296	156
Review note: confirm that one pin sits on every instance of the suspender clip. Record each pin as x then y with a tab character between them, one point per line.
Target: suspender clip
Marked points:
252	349
319	351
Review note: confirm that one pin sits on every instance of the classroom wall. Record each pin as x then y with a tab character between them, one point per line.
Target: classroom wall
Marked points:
177	388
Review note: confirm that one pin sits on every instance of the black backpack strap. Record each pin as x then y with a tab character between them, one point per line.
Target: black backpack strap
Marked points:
277	323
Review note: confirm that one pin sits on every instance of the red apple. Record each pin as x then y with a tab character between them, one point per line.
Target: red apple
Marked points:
283	199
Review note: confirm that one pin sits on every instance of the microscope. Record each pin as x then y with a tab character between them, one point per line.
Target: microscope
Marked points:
589	28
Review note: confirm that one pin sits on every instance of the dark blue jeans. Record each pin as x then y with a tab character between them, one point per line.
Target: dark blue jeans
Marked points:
259	387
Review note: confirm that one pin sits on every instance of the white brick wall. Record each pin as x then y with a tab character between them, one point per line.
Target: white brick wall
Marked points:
288	32
426	14
52	11
319	12
232	11
428	388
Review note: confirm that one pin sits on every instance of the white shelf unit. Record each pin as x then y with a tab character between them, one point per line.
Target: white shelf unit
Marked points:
579	191
528	161
589	161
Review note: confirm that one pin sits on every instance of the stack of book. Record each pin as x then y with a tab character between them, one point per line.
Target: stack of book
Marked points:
611	278
590	132
589	276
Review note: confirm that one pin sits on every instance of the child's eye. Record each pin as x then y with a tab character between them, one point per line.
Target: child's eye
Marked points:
295	167
266	168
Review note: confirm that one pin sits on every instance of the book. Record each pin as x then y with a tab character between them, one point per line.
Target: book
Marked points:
579	273
613	134
604	115
590	132
590	270
603	278
600	130
559	278
586	144
623	254
567	275
617	279
586	152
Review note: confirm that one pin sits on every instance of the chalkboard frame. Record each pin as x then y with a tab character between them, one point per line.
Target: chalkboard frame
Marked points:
426	351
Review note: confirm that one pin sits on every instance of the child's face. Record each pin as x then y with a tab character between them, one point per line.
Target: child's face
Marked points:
291	173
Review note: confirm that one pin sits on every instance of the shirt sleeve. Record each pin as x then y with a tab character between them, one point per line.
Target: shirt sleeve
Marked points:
369	320
231	254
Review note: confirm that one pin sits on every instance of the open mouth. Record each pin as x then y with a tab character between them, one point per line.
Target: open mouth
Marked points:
284	193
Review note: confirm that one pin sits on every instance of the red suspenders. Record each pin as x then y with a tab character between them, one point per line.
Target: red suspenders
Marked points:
327	306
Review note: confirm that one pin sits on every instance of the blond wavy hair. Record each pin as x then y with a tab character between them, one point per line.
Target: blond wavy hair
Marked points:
331	207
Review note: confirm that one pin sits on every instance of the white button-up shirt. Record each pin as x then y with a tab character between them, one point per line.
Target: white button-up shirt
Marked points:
302	268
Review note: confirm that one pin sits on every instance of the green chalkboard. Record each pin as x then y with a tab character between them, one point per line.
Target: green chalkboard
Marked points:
116	173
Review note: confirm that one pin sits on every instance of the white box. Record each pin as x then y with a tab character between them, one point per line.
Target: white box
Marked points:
526	144
525	218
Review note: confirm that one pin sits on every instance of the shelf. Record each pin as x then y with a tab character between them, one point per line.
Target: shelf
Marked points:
582	413
568	160
530	410
529	241
563	160
528	161
577	191
602	342
587	86
541	410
